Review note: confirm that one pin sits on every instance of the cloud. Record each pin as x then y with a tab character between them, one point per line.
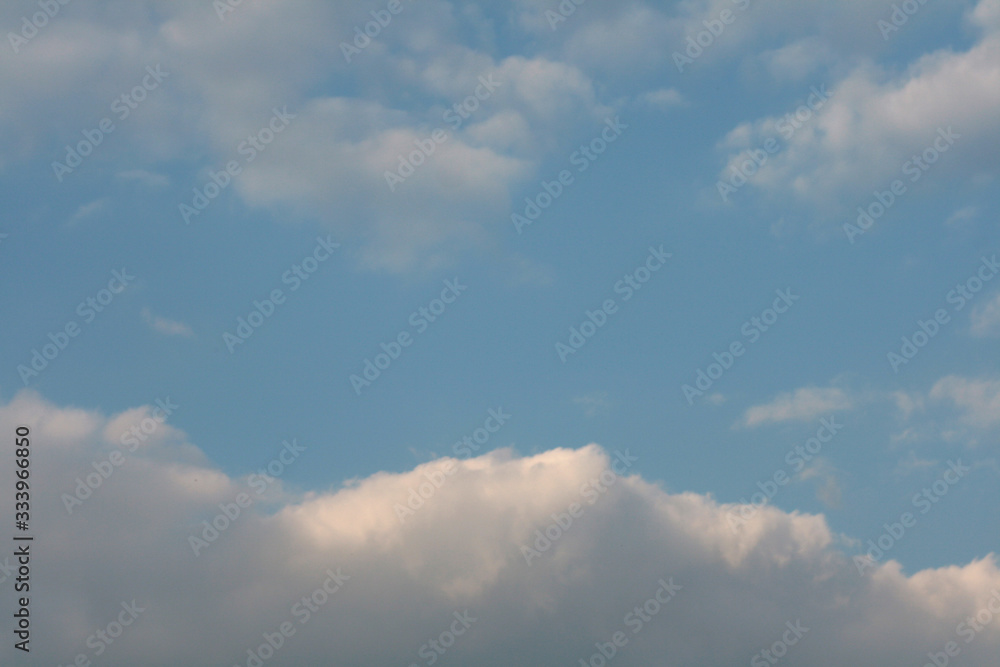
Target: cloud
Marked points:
165	326
147	178
663	98
801	405
595	403
88	210
985	318
977	399
876	120
401	583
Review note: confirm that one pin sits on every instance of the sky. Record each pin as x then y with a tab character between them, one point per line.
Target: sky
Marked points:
543	313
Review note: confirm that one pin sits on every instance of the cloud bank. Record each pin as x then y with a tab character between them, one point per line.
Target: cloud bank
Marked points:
345	577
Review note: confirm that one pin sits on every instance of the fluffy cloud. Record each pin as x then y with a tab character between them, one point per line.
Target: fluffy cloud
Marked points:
878	119
352	120
380	587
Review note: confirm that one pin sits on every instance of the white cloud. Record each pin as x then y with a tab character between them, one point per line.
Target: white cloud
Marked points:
977	399
147	178
595	403
876	120
459	551
662	98
165	326
962	215
88	210
803	404
985	318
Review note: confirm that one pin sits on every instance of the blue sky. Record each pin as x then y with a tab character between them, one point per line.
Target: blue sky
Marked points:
329	130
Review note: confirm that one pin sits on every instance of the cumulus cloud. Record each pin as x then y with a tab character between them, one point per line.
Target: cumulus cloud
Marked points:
803	404
380	583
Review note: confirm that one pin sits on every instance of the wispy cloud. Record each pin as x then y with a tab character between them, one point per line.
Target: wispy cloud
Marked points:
165	326
801	405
